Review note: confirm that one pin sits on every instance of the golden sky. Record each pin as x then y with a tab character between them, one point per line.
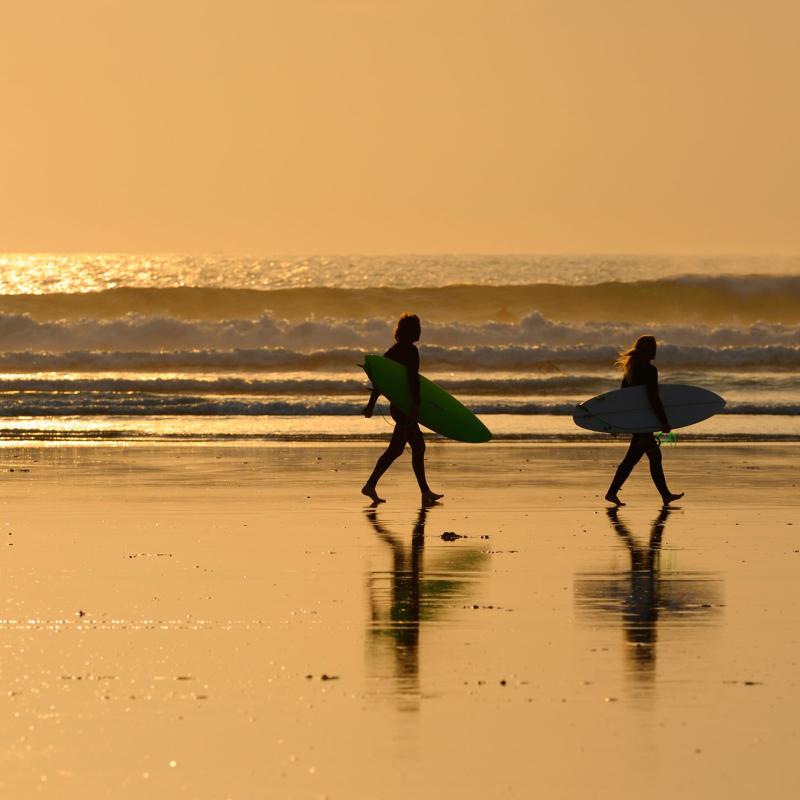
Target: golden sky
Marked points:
375	126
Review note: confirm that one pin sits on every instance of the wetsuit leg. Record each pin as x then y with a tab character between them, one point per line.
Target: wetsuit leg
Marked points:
636	450
417	443
395	449
656	469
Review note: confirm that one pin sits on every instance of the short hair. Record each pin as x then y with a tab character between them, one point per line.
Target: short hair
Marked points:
408	328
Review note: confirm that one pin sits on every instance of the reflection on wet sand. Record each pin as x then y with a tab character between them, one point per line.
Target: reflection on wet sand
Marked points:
646	592
406	596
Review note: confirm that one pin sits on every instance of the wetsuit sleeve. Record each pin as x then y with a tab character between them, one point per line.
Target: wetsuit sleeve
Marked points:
413	374
654	397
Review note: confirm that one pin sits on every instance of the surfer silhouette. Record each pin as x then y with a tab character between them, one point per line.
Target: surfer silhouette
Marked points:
406	428
638	371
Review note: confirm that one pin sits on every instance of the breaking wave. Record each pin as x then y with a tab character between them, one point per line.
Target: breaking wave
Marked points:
138	333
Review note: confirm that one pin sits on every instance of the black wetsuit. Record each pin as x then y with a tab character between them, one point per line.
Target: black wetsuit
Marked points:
643	374
406	354
406	429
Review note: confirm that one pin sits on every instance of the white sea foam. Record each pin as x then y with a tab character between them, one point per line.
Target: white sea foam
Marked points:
156	333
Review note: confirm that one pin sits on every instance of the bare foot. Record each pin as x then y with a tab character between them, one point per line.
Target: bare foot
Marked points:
671	497
428	498
370	492
613	498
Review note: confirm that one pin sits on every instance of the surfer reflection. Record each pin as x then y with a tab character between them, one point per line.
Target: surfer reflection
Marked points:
640	611
406	428
643	593
402	624
638	371
406	596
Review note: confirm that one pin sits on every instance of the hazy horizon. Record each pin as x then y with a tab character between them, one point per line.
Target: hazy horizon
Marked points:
449	254
788	255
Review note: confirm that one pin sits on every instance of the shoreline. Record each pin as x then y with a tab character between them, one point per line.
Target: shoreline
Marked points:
377	444
313	428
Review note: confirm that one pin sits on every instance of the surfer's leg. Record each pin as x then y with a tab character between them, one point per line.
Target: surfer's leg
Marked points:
386	459
417	442
418	456
632	458
657	473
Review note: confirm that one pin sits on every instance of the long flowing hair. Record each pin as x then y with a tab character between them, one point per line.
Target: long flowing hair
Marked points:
642	351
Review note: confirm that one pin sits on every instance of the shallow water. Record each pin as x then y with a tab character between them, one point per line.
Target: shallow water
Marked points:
215	430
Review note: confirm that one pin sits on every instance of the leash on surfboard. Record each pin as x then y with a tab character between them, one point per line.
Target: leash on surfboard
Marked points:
671	439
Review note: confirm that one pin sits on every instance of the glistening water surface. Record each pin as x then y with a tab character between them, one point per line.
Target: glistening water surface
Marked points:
272	345
212	621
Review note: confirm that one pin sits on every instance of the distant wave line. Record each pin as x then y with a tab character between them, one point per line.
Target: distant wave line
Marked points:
491	385
59	405
511	358
693	298
551	384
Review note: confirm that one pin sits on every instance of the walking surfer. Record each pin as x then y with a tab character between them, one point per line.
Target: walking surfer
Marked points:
406	429
638	371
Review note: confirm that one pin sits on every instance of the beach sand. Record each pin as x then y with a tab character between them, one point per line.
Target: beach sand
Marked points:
217	622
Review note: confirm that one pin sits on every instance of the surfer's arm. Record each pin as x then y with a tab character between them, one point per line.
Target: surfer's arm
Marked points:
370	406
655	400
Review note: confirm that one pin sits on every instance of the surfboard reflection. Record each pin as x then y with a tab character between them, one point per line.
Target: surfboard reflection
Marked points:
646	594
406	597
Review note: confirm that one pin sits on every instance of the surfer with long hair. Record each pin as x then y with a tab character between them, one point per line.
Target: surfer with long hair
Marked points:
406	429
638	371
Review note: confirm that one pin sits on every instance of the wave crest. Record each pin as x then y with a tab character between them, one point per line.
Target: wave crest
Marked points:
723	299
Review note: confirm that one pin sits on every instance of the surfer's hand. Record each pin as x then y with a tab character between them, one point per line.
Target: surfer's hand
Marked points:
666	428
367	411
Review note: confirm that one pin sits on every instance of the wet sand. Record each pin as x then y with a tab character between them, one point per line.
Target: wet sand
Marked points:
233	622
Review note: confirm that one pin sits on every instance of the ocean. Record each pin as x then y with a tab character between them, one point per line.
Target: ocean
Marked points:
122	348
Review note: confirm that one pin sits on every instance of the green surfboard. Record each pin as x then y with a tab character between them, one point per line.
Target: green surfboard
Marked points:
438	410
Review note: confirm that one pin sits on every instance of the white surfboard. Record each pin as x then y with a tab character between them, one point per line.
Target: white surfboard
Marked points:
629	410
